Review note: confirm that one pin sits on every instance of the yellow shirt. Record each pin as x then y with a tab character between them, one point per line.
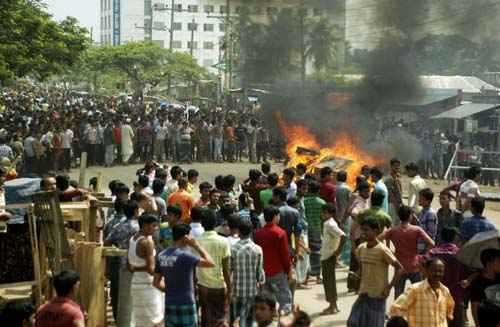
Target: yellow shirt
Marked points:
190	188
375	263
218	248
423	306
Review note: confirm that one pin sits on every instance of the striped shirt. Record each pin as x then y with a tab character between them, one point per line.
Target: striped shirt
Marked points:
247	267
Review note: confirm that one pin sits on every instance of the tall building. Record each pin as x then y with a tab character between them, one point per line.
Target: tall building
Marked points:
199	26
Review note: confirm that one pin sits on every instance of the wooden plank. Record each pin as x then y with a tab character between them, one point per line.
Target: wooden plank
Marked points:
83	168
90	264
113	252
16	206
18	284
99	182
105	204
93	235
36	256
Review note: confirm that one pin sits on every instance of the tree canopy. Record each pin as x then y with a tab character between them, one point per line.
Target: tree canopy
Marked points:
141	64
271	51
33	44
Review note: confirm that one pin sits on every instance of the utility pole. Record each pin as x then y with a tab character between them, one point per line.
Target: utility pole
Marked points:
148	20
172	11
192	37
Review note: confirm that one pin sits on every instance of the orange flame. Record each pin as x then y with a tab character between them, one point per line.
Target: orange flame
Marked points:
343	145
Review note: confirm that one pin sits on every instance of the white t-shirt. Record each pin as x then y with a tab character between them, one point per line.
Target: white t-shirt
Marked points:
66	139
331	238
469	189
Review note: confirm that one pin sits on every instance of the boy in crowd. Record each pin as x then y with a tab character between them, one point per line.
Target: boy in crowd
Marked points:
265	311
174	269
62	310
375	259
427	216
405	238
333	241
205	188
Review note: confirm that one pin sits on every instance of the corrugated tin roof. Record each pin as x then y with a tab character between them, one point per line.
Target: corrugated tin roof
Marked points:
429	96
465	110
469	84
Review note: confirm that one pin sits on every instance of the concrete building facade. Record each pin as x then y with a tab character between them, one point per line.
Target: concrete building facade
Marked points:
199	26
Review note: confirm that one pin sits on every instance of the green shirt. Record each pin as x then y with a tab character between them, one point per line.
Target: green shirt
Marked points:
383	219
313	206
265	196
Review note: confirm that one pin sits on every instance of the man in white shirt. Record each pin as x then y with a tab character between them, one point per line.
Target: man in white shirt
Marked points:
66	141
417	184
469	190
332	244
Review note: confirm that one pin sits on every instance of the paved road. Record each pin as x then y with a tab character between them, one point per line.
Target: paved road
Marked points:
311	300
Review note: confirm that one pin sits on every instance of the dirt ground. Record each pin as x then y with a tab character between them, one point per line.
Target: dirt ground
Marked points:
311	300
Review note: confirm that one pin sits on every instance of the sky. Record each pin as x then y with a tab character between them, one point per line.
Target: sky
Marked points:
86	11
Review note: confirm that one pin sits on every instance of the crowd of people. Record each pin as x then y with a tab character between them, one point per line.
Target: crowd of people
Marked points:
214	253
47	130
236	255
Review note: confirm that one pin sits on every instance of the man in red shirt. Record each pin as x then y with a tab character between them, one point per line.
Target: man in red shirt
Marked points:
62	311
405	238
327	187
277	262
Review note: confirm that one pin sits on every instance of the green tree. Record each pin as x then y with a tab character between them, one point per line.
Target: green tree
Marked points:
142	64
320	43
33	44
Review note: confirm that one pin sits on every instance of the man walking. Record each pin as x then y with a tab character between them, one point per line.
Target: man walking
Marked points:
214	284
248	274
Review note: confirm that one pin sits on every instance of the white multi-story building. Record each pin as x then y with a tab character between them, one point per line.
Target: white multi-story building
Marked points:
130	20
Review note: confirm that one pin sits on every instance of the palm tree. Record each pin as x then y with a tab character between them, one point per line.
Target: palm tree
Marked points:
320	43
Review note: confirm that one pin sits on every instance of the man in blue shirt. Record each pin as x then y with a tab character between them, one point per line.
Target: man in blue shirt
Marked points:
377	176
477	223
174	271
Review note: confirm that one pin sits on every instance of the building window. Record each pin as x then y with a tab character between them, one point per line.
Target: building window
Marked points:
177	44
192	27
208	45
178	7
177	26
208	27
109	5
109	21
209	9
272	10
316	12
192	8
222	27
208	63
223	9
195	45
